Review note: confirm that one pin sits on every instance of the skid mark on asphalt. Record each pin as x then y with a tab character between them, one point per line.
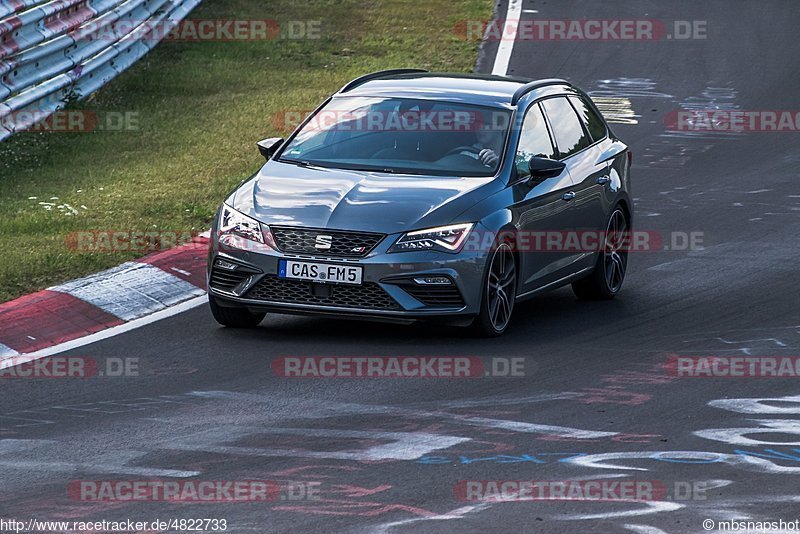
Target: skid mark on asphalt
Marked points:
759	406
737	436
51	415
495	401
675	147
361	409
613	98
458	513
628	88
36	455
747	349
641	508
644	529
400	446
616	110
711	99
762	340
671	154
693	267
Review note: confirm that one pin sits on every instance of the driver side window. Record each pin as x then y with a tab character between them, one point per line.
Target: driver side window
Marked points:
534	140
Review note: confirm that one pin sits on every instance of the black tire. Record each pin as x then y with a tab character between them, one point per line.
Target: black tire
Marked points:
609	272
234	317
499	290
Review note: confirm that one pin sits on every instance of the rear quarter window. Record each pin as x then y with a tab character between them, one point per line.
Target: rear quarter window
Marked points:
594	123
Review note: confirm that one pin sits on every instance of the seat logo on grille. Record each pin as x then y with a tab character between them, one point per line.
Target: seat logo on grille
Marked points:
323	242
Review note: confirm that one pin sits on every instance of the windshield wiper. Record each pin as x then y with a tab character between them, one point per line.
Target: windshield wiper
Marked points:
302	163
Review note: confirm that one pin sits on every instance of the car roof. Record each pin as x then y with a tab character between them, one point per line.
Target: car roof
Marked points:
480	89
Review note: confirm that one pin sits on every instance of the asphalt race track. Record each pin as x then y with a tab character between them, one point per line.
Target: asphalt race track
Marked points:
596	402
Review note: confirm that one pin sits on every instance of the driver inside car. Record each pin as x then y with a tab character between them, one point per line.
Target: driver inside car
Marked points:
489	142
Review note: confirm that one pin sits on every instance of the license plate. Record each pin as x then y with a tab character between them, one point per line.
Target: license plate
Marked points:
320	272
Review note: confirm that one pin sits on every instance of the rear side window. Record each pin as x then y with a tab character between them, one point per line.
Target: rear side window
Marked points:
593	122
567	128
534	140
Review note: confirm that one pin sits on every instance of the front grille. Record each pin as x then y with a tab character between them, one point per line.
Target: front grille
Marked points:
345	244
224	279
367	296
435	295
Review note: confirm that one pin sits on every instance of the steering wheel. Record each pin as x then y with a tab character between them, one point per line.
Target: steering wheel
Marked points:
457	150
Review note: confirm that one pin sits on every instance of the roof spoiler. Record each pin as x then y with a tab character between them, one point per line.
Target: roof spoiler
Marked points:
377	75
528	87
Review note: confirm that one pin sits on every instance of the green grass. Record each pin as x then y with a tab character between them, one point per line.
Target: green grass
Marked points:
200	108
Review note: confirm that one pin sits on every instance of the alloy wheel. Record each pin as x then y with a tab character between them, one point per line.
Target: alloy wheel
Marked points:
615	254
501	290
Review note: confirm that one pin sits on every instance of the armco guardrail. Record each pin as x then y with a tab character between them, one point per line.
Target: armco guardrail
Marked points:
53	51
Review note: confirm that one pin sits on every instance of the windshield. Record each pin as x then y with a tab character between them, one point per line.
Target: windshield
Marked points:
399	135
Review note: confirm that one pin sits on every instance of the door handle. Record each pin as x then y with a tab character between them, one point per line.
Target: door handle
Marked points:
603	180
568	196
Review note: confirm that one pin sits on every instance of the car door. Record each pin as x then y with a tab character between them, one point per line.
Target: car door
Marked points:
577	149
539	209
598	191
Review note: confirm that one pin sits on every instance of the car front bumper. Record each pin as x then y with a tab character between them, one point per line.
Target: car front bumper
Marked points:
388	291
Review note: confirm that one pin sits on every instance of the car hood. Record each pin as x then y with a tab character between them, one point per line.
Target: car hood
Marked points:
314	197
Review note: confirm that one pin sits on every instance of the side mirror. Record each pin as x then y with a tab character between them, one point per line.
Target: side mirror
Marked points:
544	168
268	147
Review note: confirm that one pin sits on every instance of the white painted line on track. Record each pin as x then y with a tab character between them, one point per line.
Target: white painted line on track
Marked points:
506	46
458	513
10	361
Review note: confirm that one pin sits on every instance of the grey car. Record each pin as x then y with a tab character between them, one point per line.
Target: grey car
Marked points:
410	195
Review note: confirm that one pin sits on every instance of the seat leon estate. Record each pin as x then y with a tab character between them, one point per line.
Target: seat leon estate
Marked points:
410	195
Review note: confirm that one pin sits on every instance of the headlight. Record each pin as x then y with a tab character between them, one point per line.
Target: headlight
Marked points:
444	239
233	222
237	229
